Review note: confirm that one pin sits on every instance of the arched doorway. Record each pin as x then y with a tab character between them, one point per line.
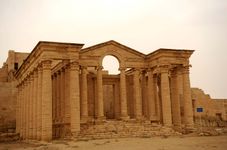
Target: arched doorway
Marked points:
111	86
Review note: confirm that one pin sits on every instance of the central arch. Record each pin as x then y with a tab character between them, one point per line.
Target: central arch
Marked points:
111	95
114	54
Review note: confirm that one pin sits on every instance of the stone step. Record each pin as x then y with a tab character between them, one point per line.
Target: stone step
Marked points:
118	129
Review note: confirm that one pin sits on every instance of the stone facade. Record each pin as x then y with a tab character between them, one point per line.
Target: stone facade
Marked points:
8	90
62	87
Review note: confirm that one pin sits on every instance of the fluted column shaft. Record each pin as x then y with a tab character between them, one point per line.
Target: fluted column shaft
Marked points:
35	97
175	97
74	97
22	107
27	107
100	93
166	103
58	96
24	111
17	110
62	104
157	98
123	96
84	96
67	96
54	87
39	103
46	101
31	106
137	94
151	98
188	110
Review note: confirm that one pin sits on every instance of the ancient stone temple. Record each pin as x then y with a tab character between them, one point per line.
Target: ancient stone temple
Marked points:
61	86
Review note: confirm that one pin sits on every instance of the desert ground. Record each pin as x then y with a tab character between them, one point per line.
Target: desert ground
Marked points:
152	143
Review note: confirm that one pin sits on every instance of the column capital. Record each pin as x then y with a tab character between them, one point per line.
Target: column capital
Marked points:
164	68
62	69
35	73
46	64
99	68
31	75
83	67
185	69
55	74
58	72
122	69
150	69
74	66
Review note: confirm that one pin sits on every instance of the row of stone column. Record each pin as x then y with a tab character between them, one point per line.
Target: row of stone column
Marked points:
61	102
100	103
163	100
34	102
34	116
169	89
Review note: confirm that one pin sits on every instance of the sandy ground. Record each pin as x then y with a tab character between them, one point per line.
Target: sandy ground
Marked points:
154	143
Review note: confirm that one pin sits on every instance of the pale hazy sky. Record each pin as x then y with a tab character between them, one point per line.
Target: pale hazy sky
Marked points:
144	25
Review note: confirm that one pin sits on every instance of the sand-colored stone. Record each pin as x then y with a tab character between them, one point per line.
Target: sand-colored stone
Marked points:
61	87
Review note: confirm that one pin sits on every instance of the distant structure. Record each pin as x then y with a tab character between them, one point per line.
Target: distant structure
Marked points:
60	87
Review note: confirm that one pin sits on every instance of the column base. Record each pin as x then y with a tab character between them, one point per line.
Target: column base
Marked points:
153	119
100	119
124	118
85	119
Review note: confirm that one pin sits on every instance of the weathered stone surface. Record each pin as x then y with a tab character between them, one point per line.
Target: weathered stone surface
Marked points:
61	90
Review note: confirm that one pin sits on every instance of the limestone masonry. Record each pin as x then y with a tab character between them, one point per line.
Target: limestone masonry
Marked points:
60	89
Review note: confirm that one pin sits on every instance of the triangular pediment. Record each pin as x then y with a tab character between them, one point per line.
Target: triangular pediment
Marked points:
113	46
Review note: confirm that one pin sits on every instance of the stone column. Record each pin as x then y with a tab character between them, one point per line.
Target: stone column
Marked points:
74	97
62	105
54	87
137	94
23	110
157	99
84	96
100	104
46	101
175	98
188	111
17	109
31	106
151	96
67	100
123	96
58	96
35	97
39	103
20	107
27	107
165	94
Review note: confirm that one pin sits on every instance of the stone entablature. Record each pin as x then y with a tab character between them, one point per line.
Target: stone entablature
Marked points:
57	92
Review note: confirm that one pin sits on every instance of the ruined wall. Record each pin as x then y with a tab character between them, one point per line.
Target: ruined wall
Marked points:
4	73
214	110
8	90
15	57
7	106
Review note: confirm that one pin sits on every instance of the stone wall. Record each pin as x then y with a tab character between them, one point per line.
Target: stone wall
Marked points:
214	110
4	73
8	90
7	106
